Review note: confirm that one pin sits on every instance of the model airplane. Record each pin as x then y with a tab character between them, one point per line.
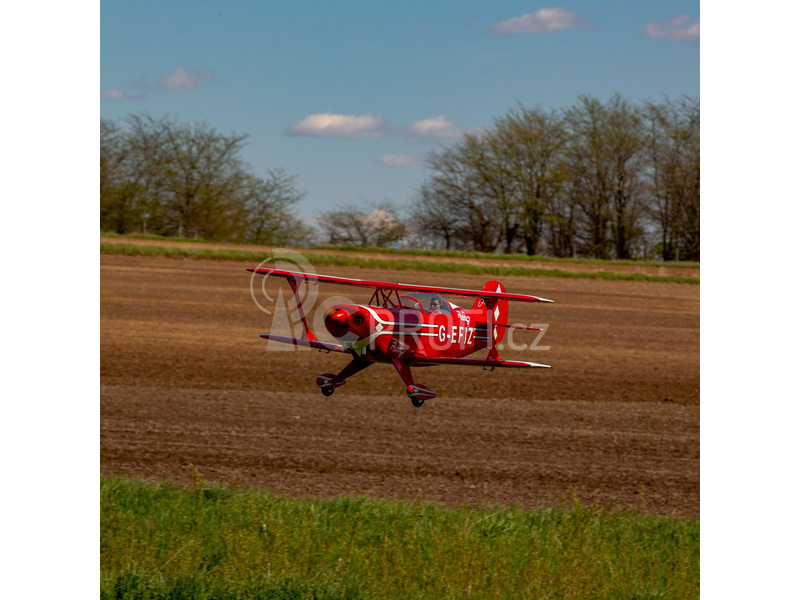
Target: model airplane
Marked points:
408	326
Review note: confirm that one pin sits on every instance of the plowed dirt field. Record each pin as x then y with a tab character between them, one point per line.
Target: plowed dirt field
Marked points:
186	383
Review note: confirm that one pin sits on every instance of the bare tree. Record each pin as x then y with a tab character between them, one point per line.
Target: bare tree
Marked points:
459	192
486	157
377	227
433	222
531	143
126	180
604	159
268	202
684	176
188	179
561	224
201	178
673	143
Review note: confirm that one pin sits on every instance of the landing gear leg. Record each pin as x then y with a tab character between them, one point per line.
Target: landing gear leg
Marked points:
328	382
418	393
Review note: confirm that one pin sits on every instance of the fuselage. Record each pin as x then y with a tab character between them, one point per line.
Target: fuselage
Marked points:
406	332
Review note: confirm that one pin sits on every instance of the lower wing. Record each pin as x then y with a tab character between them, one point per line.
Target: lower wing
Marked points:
285	339
477	362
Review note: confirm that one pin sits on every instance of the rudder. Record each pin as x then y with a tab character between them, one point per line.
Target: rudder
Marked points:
500	310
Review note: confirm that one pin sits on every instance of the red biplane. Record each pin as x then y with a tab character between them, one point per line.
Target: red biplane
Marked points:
408	326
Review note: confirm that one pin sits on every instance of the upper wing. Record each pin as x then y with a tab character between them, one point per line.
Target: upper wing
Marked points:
478	362
408	287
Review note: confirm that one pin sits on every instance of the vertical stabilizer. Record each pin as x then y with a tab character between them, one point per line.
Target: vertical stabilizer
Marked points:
498	311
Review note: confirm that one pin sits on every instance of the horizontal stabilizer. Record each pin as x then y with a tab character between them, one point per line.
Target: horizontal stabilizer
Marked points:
285	339
407	287
477	362
507	326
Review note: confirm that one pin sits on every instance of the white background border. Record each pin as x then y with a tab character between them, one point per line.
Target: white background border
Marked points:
749	296
51	298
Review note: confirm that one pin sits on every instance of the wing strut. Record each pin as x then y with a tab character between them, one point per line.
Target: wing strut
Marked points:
307	333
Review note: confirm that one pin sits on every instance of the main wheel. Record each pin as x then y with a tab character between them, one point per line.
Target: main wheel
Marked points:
417	402
328	391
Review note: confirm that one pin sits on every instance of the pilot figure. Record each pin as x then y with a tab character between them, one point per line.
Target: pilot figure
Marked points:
436	304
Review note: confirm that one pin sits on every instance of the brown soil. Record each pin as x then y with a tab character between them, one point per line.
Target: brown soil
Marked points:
186	383
570	267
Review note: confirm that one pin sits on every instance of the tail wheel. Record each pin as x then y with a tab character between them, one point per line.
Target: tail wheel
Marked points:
328	391
417	401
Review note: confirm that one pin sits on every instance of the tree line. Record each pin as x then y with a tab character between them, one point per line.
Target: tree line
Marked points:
612	179
168	178
600	179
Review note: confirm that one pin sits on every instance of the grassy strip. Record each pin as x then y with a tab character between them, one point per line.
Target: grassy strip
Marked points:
157	238
384	263
520	257
441	253
163	541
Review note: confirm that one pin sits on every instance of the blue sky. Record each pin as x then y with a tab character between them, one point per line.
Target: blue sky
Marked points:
351	95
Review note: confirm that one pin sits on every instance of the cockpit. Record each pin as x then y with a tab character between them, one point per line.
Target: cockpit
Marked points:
426	303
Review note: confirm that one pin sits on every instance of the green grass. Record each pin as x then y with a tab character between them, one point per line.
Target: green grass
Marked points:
520	257
163	541
442	253
321	260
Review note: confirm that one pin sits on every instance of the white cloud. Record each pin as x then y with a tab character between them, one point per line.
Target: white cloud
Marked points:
436	127
399	160
544	21
352	126
113	94
677	29
182	79
339	126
